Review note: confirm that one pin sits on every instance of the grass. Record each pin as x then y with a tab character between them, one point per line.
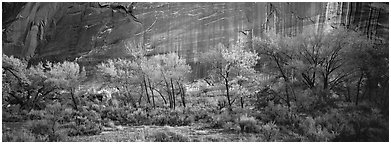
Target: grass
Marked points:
154	133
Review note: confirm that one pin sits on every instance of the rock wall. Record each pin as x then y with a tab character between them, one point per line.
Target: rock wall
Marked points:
59	31
93	32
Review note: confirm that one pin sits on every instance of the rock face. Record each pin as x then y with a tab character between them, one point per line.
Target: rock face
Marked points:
59	31
93	32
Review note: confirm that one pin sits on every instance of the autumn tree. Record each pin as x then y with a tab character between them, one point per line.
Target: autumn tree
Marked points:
169	71
34	87
147	75
15	82
67	76
124	75
319	61
232	67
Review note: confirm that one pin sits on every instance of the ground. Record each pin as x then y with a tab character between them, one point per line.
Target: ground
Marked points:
192	133
142	133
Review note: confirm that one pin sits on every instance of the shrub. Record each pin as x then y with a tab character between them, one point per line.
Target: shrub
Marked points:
363	123
278	113
168	136
44	130
83	122
22	135
123	115
354	123
40	127
231	126
220	119
13	113
248	124
270	131
87	123
170	117
36	114
315	132
60	135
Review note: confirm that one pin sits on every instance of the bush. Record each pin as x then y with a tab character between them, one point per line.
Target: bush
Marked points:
202	109
36	114
219	120
86	122
22	135
44	130
13	113
123	115
315	132
362	123
40	127
168	136
276	112
248	124
270	131
170	117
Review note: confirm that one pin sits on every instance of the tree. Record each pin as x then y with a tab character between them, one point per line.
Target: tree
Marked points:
167	70
156	73
320	61
231	66
66	76
34	87
124	75
275	57
15	82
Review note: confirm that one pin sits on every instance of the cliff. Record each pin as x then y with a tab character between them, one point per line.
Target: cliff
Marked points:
93	32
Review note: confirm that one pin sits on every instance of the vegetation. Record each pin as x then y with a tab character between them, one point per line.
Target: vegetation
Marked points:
316	86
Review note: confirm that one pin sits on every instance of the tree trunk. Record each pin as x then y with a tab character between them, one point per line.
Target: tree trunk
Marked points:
168	92
126	93
241	102
146	90
182	92
74	100
358	87
165	101
173	92
348	94
227	94
287	95
153	96
285	79
141	95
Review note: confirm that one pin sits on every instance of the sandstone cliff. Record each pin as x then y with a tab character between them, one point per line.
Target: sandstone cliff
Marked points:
93	32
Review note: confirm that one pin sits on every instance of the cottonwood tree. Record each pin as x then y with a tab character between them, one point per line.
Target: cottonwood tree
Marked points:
67	76
143	75
15	82
169	70
276	54
231	66
24	86
319	61
34	87
123	74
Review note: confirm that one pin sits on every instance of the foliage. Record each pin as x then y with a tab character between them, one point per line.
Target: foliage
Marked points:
270	131
220	120
276	112
158	73
33	87
248	124
22	135
316	86
329	64
231	67
168	136
316	132
163	117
